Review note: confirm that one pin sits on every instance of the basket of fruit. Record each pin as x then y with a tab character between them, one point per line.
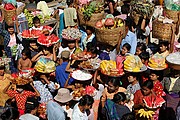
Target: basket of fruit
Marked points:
173	60
109	68
19	80
91	13
108	30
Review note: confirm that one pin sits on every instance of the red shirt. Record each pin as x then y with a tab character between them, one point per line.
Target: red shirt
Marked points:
20	97
158	89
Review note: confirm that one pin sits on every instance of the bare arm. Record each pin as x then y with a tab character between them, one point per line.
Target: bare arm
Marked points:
37	57
172	39
19	64
68	68
54	53
37	93
119	43
66	83
30	64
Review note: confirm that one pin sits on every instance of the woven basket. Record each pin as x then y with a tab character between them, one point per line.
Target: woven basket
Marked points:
109	36
8	15
172	14
20	9
161	30
92	22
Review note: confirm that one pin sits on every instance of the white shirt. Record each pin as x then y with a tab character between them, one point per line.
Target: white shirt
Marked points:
69	111
28	116
77	114
99	92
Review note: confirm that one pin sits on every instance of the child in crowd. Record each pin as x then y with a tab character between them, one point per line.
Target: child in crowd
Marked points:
70	15
37	24
46	52
141	47
20	95
88	37
112	88
134	84
158	88
25	61
163	48
116	108
144	56
145	98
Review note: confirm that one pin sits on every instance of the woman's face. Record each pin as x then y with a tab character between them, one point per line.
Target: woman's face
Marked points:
130	78
87	107
153	76
71	45
1	72
89	32
124	51
78	85
138	51
111	88
163	48
145	91
24	56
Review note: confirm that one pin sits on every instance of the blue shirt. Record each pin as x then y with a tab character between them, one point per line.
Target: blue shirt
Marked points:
55	111
132	40
62	75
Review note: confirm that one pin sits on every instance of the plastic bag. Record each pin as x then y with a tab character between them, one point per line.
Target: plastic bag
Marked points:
172	5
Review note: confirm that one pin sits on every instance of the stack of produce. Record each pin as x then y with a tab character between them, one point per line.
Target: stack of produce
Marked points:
19	80
109	27
173	60
141	9
146	114
30	16
157	62
45	65
71	34
109	68
133	63
31	33
162	24
9	13
47	40
91	13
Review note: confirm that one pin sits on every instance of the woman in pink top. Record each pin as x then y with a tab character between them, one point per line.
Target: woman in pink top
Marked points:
111	89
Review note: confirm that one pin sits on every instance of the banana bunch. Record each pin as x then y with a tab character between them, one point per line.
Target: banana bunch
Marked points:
107	65
145	114
120	23
132	63
45	66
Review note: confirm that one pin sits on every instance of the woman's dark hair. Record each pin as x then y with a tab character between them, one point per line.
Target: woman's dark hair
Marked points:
50	48
86	100
119	97
127	46
148	84
114	81
125	9
155	72
165	43
141	46
31	104
90	28
36	19
69	2
10	114
144	55
128	116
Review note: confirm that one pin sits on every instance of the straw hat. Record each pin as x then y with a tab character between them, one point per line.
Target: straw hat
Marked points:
63	95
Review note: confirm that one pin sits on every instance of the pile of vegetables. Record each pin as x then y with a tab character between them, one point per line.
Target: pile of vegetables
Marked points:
30	16
89	9
109	22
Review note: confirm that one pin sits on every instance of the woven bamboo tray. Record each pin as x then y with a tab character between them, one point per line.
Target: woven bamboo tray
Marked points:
92	22
8	15
161	30
172	14
109	36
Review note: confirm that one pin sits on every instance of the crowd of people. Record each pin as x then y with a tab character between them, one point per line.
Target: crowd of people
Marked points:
49	96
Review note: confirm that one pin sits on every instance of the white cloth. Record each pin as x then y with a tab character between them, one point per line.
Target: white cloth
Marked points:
87	40
69	111
77	114
63	49
34	28
28	116
99	92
